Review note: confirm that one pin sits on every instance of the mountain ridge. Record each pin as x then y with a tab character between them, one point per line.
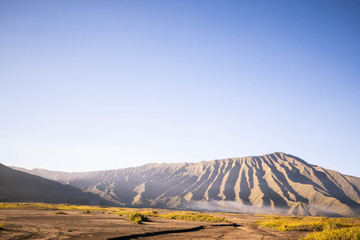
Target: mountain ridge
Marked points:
24	187
154	163
276	182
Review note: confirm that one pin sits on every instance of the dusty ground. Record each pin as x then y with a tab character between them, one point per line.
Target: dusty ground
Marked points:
45	224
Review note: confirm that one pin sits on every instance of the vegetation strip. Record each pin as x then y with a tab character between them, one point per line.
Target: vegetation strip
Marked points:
137	212
321	228
349	233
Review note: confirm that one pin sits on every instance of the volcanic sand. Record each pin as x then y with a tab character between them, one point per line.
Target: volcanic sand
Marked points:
46	224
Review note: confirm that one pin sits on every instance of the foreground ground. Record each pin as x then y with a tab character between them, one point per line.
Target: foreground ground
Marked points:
68	222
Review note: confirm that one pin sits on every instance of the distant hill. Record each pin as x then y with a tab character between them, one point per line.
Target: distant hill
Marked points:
273	183
17	186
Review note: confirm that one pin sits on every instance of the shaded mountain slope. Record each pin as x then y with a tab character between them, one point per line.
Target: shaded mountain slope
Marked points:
17	186
277	183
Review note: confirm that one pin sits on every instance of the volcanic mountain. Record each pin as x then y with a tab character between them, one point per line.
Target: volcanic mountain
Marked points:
274	183
17	186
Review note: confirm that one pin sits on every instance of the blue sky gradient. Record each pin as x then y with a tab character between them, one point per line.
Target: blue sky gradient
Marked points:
91	85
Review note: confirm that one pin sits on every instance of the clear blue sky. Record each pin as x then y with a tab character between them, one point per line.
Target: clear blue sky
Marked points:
92	85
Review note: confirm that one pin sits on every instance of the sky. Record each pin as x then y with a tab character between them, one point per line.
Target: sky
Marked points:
96	85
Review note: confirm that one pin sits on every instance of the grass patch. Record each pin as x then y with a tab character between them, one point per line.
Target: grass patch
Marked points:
193	217
307	223
347	233
321	227
184	215
68	207
38	206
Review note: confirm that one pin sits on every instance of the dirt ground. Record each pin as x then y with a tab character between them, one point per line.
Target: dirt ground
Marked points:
45	224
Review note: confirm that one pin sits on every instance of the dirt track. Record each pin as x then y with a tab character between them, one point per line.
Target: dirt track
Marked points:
45	224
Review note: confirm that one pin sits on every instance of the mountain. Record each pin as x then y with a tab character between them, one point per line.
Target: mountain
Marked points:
17	186
274	183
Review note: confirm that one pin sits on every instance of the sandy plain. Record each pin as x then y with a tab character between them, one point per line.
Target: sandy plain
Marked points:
45	224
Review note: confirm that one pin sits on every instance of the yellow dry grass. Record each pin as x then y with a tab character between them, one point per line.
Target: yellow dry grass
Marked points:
179	215
190	216
321	228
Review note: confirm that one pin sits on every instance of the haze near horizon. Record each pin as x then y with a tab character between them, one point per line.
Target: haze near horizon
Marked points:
94	85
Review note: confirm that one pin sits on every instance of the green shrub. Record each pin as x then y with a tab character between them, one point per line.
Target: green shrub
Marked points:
60	212
138	221
86	211
2	227
138	218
